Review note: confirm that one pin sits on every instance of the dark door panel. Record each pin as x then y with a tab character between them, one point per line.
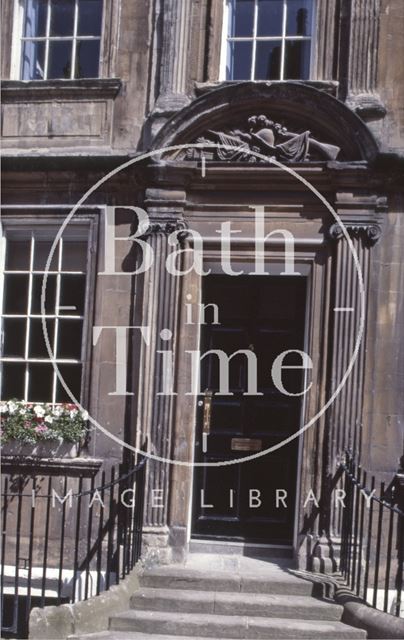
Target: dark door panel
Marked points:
266	315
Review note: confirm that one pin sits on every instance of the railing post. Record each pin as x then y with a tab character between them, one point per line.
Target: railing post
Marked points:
400	536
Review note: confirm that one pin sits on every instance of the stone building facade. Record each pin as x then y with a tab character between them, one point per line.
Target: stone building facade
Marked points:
100	83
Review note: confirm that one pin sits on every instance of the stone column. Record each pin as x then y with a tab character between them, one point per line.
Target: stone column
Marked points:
363	55
155	412
344	418
346	409
175	51
326	29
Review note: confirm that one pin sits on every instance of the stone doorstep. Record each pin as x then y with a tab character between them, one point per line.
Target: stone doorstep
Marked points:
276	582
125	635
279	606
200	603
228	548
219	626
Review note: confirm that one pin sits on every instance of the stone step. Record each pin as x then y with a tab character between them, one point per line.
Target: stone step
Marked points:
125	635
272	582
268	605
221	626
237	548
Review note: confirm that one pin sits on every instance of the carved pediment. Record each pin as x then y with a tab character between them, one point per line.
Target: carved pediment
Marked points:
263	136
288	121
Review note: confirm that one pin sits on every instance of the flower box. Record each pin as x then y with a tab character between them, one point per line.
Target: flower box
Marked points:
57	448
41	430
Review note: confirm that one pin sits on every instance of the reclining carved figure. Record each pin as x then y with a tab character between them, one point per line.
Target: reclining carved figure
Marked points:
267	138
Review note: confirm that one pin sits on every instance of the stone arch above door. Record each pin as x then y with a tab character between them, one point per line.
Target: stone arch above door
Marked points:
291	121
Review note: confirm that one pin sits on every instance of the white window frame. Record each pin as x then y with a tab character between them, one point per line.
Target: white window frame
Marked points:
254	39
19	39
79	229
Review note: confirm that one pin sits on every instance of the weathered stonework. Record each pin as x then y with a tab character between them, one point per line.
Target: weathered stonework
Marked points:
342	130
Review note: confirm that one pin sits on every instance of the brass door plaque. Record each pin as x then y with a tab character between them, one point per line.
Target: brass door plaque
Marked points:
207	410
246	444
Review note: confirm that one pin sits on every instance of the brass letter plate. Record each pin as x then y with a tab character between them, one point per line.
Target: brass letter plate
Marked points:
246	444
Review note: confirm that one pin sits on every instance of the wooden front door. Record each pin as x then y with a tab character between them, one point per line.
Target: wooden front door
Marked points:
264	314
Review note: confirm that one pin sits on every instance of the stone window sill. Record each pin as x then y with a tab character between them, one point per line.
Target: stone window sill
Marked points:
38	90
329	86
72	467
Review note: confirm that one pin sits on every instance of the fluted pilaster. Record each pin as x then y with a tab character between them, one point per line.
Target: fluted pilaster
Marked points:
175	52
349	305
363	56
155	413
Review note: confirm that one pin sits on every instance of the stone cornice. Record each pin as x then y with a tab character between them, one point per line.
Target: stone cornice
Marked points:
48	90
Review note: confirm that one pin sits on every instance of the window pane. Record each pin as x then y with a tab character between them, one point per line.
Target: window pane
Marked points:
90	14
40	383
71	374
69	339
33	60
62	18
87	59
239	65
16	293
18	253
297	60
60	59
72	293
35	18
74	257
241	18
41	255
14	337
12	380
270	17
268	60
299	17
50	294
37	345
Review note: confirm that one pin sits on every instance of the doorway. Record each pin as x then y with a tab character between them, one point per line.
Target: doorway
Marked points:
252	501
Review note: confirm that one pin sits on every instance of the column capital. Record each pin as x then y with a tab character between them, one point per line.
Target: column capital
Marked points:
165	227
371	231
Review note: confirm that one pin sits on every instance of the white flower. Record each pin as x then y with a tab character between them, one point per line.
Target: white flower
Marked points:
39	411
73	413
3	407
22	412
48	419
57	411
84	415
12	407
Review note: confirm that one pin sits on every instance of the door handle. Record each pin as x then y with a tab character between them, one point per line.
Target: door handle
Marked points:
207	410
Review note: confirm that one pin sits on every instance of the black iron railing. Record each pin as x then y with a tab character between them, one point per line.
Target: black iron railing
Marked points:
65	539
372	538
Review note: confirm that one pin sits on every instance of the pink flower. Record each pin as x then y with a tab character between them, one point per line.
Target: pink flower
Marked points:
41	428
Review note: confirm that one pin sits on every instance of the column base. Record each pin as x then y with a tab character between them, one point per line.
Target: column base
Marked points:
369	106
166	106
155	545
165	545
325	556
